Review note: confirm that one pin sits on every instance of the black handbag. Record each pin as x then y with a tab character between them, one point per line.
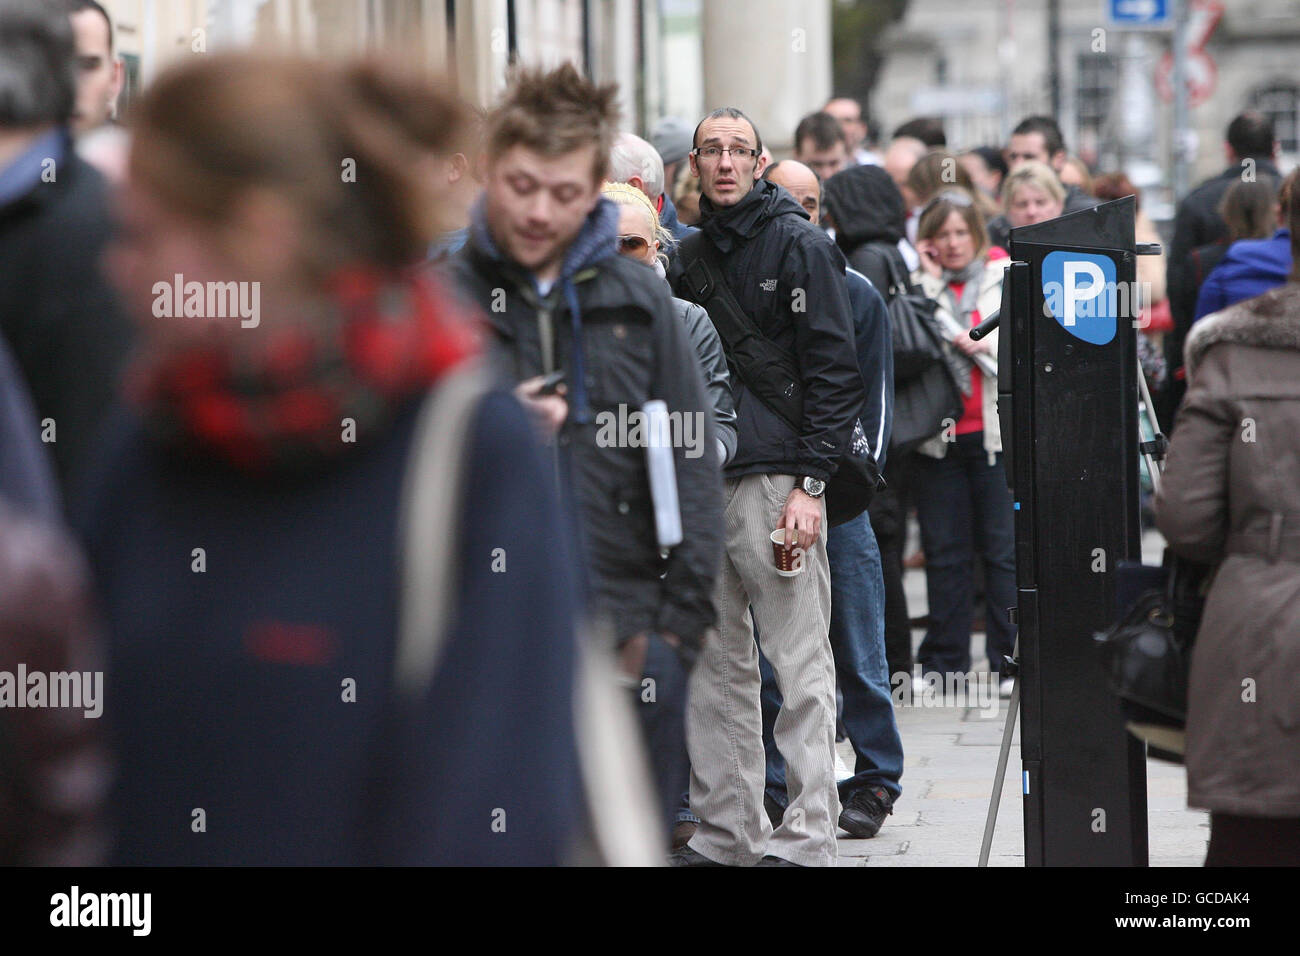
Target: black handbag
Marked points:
926	393
1147	653
772	375
912	330
922	407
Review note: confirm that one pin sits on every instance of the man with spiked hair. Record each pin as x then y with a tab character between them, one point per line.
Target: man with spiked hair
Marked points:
542	260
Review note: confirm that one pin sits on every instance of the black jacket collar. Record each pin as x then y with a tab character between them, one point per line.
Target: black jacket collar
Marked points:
725	225
1263	164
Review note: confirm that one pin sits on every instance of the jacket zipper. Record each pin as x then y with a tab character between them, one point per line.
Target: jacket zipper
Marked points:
546	337
546	342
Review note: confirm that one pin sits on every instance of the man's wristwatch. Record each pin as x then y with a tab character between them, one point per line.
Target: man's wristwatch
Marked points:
812	487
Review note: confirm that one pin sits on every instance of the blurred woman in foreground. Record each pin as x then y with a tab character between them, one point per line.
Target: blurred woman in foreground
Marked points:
246	525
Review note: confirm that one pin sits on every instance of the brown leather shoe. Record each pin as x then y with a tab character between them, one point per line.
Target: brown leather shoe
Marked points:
682	833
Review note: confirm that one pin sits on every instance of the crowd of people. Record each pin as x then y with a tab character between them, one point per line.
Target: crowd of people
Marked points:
421	477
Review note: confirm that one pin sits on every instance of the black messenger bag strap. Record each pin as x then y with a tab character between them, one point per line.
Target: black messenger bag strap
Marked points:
900	283
767	370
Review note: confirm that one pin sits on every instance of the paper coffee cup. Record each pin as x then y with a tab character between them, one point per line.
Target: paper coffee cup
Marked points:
787	557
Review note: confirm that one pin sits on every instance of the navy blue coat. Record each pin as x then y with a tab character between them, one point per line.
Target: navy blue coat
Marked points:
26	475
875	359
225	688
57	311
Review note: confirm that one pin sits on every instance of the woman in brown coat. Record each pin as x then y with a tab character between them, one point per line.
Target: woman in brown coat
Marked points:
1231	496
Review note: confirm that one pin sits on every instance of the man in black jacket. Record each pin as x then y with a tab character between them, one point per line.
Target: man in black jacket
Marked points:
57	312
857	627
542	260
788	277
1251	151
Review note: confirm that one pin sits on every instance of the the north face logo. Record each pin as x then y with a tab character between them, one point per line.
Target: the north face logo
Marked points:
768	285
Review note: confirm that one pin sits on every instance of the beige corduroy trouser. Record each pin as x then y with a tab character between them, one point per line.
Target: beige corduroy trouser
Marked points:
724	721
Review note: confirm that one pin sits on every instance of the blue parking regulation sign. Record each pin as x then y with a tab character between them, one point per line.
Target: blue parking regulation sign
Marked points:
1140	13
1088	309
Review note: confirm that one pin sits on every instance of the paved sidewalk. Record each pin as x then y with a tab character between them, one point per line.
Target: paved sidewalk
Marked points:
951	756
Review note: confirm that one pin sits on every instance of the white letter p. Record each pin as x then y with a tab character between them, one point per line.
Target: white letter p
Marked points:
1073	293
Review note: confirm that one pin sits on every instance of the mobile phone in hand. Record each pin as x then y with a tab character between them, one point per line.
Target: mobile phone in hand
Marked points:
551	384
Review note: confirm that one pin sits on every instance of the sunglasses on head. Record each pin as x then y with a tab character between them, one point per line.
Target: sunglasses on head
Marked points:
954	196
632	244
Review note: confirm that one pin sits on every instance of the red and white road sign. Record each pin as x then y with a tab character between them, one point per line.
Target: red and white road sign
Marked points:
1202	73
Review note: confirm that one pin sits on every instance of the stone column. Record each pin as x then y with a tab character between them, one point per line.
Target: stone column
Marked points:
770	58
482	49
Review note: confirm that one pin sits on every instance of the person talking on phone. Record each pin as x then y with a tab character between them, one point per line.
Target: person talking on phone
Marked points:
962	501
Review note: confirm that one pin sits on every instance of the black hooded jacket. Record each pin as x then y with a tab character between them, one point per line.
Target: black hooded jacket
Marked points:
632	348
787	275
870	218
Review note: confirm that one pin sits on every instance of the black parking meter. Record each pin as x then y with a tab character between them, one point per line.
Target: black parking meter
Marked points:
1068	407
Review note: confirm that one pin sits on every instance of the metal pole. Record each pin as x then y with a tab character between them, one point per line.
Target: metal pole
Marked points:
588	54
1155	468
512	33
1182	120
1008	731
149	43
1054	55
1006	61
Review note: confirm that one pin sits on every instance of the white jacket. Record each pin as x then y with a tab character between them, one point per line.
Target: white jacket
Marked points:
989	301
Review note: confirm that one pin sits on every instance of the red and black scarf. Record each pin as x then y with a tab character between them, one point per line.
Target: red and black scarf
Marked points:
316	385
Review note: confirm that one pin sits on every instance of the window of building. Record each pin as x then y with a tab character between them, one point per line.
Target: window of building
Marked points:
1096	89
1280	102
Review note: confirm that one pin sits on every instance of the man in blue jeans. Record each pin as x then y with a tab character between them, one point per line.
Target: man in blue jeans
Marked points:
858	642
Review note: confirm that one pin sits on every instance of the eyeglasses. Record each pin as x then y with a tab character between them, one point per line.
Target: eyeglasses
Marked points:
633	244
711	154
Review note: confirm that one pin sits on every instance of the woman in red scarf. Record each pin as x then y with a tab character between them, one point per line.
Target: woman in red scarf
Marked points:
962	502
245	525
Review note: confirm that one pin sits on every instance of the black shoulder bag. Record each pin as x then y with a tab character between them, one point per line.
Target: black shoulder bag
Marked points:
1147	654
912	331
772	375
926	394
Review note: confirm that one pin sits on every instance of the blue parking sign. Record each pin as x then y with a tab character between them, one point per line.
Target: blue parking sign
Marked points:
1080	292
1140	13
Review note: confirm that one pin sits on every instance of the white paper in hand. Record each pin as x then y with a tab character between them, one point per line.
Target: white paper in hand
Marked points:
663	473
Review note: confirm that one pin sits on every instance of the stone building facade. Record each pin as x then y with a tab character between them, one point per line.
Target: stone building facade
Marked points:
983	65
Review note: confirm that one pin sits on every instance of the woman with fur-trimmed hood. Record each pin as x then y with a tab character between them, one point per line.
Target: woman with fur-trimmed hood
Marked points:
1231	497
